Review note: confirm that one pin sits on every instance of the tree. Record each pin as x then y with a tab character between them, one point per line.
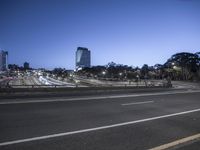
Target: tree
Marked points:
159	70
144	70
188	62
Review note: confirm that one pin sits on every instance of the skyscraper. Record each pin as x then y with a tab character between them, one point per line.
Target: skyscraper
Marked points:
3	60
82	57
26	65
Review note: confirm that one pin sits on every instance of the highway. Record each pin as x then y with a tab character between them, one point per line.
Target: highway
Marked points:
32	81
27	80
120	122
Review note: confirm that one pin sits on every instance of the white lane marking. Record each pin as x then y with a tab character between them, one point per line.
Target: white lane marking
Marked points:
137	103
96	128
177	142
94	98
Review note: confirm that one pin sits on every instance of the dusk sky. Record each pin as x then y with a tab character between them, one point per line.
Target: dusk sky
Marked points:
46	33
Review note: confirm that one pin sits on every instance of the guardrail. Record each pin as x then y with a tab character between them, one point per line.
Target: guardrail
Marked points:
90	84
35	86
77	85
78	90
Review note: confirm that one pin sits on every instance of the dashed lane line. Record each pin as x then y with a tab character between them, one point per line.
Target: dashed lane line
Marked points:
137	103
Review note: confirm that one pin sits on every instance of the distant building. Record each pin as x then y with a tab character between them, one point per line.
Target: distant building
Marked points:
3	60
82	58
13	67
26	65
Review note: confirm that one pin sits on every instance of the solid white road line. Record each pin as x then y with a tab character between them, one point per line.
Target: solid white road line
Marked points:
177	142
96	129
137	103
93	98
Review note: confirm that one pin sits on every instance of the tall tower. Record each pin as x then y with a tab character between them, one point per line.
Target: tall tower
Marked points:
3	60
82	57
26	65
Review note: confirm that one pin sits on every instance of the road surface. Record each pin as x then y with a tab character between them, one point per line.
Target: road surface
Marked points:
115	123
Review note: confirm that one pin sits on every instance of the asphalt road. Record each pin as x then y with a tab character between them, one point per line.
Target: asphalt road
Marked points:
115	123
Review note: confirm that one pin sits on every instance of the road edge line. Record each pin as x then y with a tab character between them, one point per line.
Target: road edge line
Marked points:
96	128
177	142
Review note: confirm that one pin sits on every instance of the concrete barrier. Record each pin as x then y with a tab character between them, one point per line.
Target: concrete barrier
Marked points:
80	91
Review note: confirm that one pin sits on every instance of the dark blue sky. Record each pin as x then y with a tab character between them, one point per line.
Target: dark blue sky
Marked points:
46	33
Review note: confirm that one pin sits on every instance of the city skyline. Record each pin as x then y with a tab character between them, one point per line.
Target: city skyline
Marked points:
47	33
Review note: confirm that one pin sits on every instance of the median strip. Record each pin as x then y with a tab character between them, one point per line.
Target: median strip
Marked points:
96	128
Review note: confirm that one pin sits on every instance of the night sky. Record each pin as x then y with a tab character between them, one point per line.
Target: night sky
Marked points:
46	33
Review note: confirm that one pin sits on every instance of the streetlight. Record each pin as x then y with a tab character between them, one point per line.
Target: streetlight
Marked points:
103	73
120	75
169	76
170	65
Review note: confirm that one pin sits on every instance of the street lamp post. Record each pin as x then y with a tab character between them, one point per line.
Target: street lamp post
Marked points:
169	84
103	73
